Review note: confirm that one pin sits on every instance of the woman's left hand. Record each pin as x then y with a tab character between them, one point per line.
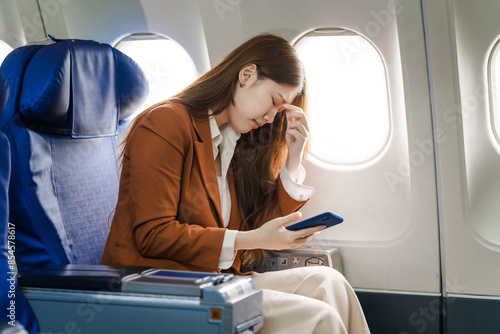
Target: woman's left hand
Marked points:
296	137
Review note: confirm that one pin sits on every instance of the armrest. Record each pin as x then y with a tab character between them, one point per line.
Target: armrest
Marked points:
109	299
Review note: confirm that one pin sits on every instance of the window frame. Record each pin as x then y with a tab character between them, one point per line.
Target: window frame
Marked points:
321	32
493	90
151	100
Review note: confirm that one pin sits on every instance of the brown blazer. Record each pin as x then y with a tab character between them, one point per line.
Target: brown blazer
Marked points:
168	213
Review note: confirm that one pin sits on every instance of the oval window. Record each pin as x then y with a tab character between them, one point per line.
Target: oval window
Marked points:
168	67
348	96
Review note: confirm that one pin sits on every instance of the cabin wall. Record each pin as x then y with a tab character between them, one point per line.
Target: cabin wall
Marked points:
469	158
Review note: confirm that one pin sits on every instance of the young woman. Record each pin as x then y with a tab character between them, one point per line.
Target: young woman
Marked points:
211	176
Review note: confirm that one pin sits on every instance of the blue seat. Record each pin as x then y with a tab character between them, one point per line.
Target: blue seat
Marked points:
70	101
17	313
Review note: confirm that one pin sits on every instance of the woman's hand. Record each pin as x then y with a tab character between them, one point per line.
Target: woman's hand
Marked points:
296	138
274	236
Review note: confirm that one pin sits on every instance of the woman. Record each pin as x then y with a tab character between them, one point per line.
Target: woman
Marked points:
211	176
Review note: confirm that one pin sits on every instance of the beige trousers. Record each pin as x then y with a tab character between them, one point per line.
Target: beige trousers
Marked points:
309	300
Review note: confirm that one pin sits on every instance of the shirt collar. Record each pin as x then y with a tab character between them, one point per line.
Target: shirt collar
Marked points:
216	135
227	135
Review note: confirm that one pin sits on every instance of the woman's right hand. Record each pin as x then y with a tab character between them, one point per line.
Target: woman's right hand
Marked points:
274	236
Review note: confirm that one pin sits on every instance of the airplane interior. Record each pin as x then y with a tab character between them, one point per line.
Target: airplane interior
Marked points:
404	117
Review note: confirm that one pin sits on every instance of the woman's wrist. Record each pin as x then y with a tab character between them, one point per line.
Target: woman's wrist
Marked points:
244	240
292	169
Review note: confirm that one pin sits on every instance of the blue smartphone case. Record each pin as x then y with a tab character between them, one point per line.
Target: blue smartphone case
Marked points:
328	219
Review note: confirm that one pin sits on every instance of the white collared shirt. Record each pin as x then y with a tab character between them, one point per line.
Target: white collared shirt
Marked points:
223	144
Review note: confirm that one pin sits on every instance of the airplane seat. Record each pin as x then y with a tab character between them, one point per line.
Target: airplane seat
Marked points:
69	102
12	299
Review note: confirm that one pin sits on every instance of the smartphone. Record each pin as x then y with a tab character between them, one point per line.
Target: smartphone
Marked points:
328	219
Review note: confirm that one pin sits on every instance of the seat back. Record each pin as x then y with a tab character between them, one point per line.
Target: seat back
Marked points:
69	103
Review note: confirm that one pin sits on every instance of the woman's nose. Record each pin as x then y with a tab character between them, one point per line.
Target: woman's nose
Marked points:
269	117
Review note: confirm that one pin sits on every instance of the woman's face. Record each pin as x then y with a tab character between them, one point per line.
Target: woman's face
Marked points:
257	101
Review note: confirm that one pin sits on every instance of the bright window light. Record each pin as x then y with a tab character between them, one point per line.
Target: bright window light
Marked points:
494	72
5	49
168	67
348	96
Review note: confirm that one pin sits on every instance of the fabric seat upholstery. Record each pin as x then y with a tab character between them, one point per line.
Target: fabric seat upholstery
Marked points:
69	102
18	313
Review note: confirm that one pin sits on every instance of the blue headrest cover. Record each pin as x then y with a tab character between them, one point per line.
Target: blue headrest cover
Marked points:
81	87
4	91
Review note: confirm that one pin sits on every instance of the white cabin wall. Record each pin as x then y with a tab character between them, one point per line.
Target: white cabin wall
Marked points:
469	158
11	27
222	26
108	21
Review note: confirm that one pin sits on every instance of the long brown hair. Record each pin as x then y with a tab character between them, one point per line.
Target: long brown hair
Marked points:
261	153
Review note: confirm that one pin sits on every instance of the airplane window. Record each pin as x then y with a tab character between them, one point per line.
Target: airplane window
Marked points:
494	71
5	49
348	96
168	67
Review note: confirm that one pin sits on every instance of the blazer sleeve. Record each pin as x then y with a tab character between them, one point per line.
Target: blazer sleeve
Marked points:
156	153
286	203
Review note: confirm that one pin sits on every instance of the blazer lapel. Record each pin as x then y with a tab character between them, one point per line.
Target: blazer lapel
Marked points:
204	154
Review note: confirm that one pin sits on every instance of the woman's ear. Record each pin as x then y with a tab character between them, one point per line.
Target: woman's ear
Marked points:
248	74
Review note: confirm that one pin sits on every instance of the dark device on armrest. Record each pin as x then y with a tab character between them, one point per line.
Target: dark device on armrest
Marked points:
79	277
